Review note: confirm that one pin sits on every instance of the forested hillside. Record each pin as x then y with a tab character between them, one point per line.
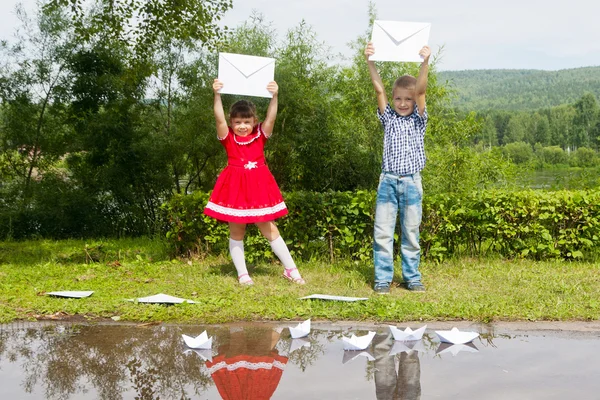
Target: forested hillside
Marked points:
520	89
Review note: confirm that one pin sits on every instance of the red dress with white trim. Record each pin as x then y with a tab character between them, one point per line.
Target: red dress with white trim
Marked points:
246	191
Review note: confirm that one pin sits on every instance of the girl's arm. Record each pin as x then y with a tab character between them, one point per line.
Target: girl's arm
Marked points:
269	122
421	87
382	100
222	128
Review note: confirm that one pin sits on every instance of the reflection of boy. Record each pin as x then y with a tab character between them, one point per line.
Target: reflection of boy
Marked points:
405	384
400	190
248	365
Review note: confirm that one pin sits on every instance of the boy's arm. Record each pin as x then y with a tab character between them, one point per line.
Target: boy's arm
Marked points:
269	122
382	100
222	128
421	87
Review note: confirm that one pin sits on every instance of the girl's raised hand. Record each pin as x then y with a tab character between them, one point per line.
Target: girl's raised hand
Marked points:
217	85
273	88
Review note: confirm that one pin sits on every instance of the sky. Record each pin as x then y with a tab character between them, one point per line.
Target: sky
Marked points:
475	34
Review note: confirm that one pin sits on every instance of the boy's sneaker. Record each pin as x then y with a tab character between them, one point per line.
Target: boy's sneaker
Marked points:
382	288
415	287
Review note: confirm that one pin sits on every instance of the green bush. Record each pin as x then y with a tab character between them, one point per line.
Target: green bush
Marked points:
530	224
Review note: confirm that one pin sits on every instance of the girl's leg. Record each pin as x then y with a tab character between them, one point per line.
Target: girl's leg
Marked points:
236	249
270	231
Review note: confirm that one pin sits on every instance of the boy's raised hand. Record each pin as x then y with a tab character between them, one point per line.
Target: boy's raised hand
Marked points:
425	53
217	85
273	88
369	50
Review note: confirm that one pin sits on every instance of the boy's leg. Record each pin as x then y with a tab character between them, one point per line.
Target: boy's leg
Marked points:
386	211
236	249
410	218
270	231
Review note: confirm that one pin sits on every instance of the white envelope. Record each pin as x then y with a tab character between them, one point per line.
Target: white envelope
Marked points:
246	75
399	41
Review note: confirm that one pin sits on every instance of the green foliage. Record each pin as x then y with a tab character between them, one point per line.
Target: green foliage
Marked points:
518	152
539	225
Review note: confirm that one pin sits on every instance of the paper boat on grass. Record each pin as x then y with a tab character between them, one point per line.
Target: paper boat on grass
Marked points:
407	334
301	330
455	336
354	354
333	298
404	346
456	348
298	344
206	355
358	342
162	298
73	294
199	342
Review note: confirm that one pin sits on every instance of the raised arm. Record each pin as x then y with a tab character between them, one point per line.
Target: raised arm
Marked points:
222	128
269	121
382	100
421	87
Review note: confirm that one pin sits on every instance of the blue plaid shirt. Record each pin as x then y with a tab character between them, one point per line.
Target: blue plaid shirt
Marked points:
403	145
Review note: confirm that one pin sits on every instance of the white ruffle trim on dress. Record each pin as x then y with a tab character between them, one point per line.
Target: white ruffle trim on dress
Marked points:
247	365
255	212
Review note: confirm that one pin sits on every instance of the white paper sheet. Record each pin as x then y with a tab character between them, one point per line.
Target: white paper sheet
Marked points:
202	341
301	330
398	40
334	298
162	298
246	75
72	294
358	342
407	334
455	336
454	349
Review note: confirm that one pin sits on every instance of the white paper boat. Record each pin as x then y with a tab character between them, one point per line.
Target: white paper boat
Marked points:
454	349
358	342
162	299
206	355
301	330
199	342
407	346
298	344
455	336
407	334
354	354
73	294
334	298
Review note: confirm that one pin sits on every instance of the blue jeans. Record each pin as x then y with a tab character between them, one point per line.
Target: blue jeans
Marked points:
395	194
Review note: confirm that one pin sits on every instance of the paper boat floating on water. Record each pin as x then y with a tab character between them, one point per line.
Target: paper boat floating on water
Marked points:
354	354
407	334
454	349
298	344
206	355
301	330
407	346
73	294
199	342
455	336
162	298
358	342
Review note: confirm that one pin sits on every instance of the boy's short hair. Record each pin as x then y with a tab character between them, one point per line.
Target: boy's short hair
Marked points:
242	109
405	82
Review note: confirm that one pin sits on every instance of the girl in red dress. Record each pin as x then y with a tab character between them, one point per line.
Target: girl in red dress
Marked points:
246	191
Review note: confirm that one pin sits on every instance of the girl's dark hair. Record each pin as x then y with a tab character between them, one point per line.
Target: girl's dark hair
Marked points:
242	109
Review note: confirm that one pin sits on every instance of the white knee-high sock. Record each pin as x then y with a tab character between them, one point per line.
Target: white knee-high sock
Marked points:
236	249
281	251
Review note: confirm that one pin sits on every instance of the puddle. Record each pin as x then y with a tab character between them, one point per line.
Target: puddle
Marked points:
254	361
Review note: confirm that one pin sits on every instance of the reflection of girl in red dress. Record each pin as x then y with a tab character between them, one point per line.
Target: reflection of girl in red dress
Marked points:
248	367
246	191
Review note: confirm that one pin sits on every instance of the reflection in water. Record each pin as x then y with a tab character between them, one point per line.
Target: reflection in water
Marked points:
391	383
248	365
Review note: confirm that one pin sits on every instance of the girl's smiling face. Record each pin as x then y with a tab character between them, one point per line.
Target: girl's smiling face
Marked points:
242	126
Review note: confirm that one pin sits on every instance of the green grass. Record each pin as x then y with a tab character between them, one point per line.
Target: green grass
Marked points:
479	290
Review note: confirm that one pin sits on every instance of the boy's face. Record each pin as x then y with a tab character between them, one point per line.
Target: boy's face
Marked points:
242	126
404	100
